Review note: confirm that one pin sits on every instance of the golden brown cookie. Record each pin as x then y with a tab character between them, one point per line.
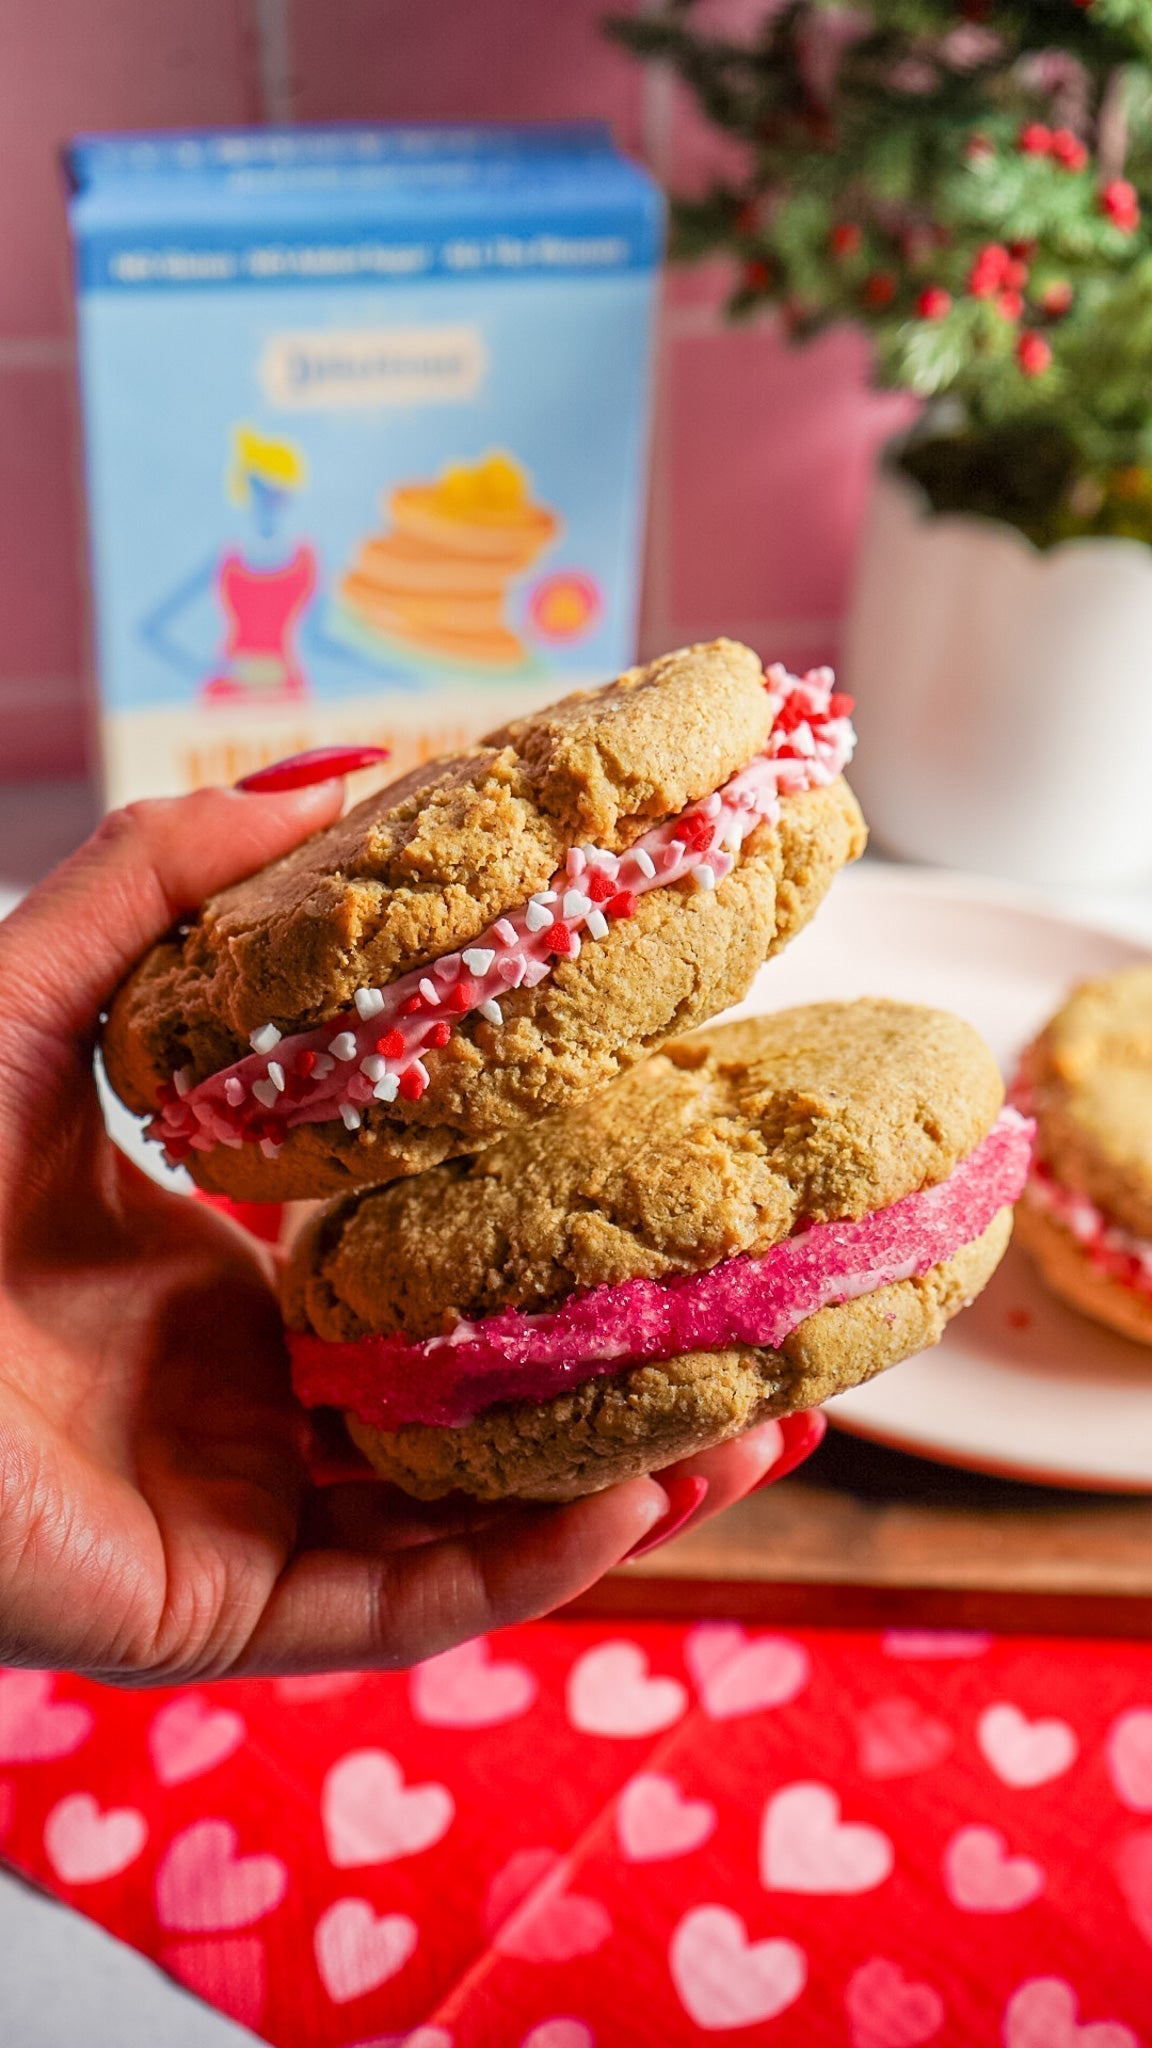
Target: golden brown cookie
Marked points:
272	985
788	1155
1087	1210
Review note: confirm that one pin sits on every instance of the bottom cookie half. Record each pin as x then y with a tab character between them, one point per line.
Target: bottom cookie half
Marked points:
1070	1273
620	1425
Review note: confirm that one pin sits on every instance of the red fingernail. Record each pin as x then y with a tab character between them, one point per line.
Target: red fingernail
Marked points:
319	764
684	1497
801	1434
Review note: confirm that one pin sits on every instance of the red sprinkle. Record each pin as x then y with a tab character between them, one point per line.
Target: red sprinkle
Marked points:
462	996
318	764
166	1094
791	714
440	1033
841	705
597	885
410	1005
391	1045
304	1063
1018	1318
558	939
623	904
696	831
177	1149
412	1085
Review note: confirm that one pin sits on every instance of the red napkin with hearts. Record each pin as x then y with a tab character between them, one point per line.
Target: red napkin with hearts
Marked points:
575	1837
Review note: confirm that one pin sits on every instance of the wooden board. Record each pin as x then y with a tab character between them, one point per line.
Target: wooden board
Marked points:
867	1537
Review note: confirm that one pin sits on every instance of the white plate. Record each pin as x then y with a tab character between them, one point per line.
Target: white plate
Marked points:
1019	1385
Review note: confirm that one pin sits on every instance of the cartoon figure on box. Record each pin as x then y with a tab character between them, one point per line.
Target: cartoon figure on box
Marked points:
262	585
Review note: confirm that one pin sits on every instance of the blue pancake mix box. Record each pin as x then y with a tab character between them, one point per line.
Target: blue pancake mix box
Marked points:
365	422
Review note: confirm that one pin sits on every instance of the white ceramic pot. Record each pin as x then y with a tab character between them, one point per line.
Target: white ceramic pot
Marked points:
1004	695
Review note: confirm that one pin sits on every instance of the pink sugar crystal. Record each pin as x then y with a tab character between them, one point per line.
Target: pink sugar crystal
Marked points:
515	1356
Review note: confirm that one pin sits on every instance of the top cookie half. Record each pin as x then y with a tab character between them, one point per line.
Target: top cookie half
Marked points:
495	935
1088	1082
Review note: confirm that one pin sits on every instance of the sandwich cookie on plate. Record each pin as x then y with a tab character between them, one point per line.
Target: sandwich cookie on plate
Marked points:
744	1224
494	936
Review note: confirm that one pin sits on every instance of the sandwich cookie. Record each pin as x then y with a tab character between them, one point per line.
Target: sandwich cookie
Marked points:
494	936
747	1222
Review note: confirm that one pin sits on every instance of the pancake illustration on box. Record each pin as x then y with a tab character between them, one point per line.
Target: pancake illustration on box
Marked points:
746	1223
437	582
1086	1216
496	935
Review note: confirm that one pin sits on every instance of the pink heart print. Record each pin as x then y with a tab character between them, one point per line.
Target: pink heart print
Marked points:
318	1685
981	1877
371	1816
934	1643
1043	2014
896	1737
805	1847
1129	1754
463	1688
230	1974
34	1728
724	1980
1134	1875
560	2033
204	1887
529	1914
886	2009
737	1674
654	1820
188	1737
84	1845
611	1693
357	1950
1025	1753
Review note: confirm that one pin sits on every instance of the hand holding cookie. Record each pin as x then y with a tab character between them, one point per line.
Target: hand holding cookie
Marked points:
158	1518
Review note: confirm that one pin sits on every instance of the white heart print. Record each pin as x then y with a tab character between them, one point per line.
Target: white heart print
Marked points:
371	1816
610	1692
723	1979
806	1847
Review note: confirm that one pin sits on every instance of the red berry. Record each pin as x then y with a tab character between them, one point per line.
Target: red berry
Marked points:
439	1034
1067	149
1015	275
410	1005
1033	354
1010	305
934	303
846	238
841	705
1121	202
303	1064
1023	252
1056	299
597	885
412	1085
880	288
463	996
757	275
391	1046
1034	139
558	939
623	904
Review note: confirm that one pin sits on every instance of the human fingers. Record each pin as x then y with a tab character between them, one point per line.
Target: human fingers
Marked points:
337	1609
68	945
730	1471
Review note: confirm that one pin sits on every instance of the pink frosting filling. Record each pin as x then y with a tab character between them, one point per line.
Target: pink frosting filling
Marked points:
518	1356
372	1053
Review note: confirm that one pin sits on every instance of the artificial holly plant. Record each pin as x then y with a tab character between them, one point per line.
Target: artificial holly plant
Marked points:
970	181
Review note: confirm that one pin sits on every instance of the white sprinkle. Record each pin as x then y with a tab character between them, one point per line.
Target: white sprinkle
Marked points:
386	1088
276	1076
712	807
234	1091
182	1080
324	1065
343	1046
597	924
266	1093
491	1010
733	838
576	862
511	972
478	959
429	991
544	896
264	1040
202	1142
418	1067
351	1116
505	932
233	1141
575	953
204	1112
369	1002
576	903
703	876
535	971
644	861
536	917
374	1066
269	1148
448	968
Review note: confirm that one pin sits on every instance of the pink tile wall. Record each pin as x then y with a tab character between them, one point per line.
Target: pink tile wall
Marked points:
761	454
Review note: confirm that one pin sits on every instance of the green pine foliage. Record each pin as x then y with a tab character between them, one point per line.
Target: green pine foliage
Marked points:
971	182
